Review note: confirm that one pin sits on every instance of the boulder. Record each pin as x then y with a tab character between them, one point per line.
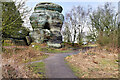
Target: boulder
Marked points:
47	21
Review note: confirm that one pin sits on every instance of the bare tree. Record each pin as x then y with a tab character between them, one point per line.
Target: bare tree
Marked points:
66	33
104	22
76	20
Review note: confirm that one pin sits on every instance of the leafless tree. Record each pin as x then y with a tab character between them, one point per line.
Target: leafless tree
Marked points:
76	21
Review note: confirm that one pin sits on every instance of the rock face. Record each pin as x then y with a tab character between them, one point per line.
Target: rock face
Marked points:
47	21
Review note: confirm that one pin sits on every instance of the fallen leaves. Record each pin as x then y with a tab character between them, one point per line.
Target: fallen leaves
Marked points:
96	62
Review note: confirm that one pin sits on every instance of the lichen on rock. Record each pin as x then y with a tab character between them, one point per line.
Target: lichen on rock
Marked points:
47	21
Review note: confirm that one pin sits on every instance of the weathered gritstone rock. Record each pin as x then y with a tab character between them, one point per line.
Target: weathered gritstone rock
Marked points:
48	6
47	22
40	35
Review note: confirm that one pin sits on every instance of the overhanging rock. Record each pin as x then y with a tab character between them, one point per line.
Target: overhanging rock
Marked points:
47	21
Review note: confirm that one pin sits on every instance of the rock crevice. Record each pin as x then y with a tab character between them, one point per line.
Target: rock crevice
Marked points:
47	21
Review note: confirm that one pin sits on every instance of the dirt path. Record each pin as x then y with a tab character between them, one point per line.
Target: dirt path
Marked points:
56	67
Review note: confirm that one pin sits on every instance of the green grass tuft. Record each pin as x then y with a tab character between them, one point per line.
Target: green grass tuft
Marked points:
49	50
38	68
35	59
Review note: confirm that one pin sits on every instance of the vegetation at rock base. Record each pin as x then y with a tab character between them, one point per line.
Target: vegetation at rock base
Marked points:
44	48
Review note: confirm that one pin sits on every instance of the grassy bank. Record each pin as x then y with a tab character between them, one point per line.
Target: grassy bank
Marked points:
37	68
15	57
95	63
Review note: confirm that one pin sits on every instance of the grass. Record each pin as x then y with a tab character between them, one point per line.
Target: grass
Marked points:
20	55
38	69
24	55
107	63
7	43
34	59
13	50
94	64
90	53
90	71
90	45
49	50
77	71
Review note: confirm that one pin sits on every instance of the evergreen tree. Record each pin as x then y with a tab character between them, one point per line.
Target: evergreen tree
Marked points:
12	22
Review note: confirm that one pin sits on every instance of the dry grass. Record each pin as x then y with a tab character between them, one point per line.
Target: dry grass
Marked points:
14	60
95	63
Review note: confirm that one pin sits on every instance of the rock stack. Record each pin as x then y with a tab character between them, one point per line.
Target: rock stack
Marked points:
47	21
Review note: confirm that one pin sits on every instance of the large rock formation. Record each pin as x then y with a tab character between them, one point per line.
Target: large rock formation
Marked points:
47	21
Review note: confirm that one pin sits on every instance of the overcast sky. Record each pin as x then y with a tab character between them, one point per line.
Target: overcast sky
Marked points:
68	4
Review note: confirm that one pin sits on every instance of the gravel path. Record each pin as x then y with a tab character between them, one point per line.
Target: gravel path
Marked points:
56	67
